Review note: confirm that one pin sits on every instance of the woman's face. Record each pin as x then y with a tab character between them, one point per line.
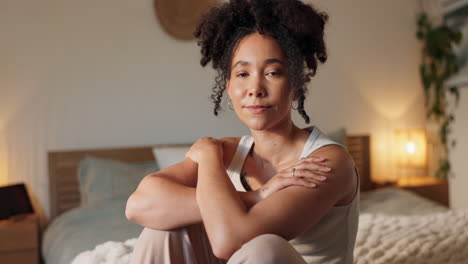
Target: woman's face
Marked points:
259	78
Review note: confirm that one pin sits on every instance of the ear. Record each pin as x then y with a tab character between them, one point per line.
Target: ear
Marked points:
228	83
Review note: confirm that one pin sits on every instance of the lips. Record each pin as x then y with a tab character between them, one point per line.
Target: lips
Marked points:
256	109
257	106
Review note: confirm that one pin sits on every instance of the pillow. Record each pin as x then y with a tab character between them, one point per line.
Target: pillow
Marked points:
338	135
101	179
167	156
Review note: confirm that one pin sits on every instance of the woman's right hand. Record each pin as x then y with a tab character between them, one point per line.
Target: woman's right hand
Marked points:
307	172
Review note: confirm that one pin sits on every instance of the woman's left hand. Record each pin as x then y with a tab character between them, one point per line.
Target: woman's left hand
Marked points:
203	147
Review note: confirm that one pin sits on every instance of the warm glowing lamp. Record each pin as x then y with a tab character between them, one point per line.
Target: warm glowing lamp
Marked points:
411	155
411	148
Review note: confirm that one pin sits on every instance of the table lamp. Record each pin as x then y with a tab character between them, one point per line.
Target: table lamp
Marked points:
411	155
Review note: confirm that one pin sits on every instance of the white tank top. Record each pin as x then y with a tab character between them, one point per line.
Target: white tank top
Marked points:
332	239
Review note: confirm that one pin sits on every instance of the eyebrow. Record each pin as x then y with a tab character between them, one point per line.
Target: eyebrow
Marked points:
267	61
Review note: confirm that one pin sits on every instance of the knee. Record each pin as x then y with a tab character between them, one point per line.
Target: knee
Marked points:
268	242
267	248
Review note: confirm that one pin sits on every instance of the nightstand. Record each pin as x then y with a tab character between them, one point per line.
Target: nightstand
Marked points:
19	240
431	188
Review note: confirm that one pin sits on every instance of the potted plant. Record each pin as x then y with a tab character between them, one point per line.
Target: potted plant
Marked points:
439	63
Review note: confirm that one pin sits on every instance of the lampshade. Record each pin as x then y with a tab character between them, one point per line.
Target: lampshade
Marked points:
411	151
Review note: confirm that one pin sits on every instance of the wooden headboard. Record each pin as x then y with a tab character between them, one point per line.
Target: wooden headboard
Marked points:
63	168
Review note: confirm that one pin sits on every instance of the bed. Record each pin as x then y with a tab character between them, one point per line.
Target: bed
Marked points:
88	224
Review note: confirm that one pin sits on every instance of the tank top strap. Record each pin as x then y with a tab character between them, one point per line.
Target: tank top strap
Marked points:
235	167
316	140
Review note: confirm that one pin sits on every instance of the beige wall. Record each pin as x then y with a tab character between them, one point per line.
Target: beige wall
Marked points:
88	74
371	83
459	179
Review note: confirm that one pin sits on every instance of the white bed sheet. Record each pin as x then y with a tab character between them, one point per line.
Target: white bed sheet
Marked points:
396	201
85	227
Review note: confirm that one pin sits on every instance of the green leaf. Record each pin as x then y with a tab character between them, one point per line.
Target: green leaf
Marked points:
457	37
451	118
439	63
419	35
422	20
443	170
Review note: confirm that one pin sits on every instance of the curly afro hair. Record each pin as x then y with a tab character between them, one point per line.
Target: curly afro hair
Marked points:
298	28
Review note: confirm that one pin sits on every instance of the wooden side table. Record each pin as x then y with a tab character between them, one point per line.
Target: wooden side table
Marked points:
19	240
431	188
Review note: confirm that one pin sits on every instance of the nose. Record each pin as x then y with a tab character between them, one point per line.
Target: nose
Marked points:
257	89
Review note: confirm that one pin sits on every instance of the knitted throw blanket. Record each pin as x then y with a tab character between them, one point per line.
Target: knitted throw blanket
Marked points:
431	238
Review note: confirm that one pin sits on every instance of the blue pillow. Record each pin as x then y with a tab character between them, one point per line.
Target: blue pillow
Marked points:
101	179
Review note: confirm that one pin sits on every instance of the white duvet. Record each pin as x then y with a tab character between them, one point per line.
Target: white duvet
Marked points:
395	226
110	252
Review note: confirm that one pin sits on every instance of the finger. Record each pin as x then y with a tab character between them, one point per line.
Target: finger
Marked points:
309	175
296	181
292	164
306	163
313	167
305	174
316	159
285	182
307	166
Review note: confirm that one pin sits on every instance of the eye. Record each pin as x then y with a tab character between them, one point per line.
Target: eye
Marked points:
274	73
242	75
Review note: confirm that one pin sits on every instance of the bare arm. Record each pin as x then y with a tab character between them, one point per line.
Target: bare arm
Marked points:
287	213
167	199
163	204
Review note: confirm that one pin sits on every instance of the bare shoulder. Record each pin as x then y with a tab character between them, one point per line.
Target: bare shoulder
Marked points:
342	165
229	149
230	140
334	153
186	171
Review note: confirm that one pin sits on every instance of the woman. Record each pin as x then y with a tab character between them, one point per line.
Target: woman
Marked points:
262	198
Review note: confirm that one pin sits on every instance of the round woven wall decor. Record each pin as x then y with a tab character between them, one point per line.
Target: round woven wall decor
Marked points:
179	18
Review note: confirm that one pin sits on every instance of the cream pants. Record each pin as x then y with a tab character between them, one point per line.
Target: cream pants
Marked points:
190	245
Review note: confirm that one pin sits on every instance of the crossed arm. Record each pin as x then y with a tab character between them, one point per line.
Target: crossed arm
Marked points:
166	200
232	218
288	212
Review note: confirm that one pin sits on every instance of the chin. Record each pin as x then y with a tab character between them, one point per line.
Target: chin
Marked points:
258	123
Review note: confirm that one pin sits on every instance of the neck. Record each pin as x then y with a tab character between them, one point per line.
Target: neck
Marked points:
278	146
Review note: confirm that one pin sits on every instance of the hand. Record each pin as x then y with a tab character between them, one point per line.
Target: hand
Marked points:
307	172
203	147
